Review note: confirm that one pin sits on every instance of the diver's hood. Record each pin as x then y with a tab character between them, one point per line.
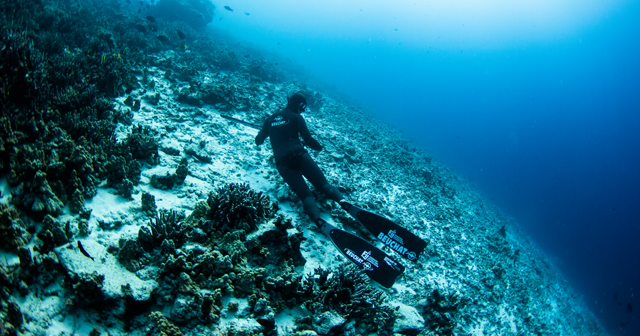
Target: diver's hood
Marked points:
297	103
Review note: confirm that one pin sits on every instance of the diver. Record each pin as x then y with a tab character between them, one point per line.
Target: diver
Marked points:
293	162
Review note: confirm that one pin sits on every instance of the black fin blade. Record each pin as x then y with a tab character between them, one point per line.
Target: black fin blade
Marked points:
374	262
399	239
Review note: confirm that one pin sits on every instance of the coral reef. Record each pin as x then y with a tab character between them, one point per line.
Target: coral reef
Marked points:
128	254
348	294
14	233
148	203
52	234
86	102
40	199
164	326
440	312
275	246
167	228
237	206
87	290
168	181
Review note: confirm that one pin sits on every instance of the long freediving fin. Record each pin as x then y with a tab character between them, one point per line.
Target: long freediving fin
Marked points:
379	266
399	239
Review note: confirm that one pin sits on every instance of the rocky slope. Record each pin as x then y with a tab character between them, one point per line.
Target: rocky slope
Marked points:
130	206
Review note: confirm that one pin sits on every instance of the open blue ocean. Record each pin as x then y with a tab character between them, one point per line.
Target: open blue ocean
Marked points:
536	102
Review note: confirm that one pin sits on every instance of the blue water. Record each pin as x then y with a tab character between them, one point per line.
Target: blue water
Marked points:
537	103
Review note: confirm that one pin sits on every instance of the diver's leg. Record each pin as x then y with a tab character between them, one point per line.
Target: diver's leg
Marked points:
312	172
297	184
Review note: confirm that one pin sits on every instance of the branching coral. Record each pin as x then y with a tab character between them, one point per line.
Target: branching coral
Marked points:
347	292
238	206
168	225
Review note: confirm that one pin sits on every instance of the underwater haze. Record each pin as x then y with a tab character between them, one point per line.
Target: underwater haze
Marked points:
536	102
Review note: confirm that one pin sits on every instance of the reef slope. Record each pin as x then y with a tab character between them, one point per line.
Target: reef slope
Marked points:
130	206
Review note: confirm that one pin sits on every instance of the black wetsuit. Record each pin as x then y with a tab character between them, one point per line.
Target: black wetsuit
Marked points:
284	129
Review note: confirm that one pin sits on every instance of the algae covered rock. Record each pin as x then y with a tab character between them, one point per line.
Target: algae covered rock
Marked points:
13	230
163	326
87	289
41	199
276	246
148	203
52	233
129	253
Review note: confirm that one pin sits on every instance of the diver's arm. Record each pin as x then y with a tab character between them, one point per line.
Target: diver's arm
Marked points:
263	134
306	135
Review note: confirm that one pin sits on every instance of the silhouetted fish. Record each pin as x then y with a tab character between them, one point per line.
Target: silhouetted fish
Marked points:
162	38
245	13
150	18
180	34
141	28
82	250
615	296
629	308
228	8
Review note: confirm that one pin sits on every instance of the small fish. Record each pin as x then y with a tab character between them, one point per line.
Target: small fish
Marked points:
83	251
629	308
245	13
180	34
162	38
150	18
247	56
228	8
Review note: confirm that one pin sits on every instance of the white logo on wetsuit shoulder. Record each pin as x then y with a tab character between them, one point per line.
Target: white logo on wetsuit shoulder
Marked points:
279	121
